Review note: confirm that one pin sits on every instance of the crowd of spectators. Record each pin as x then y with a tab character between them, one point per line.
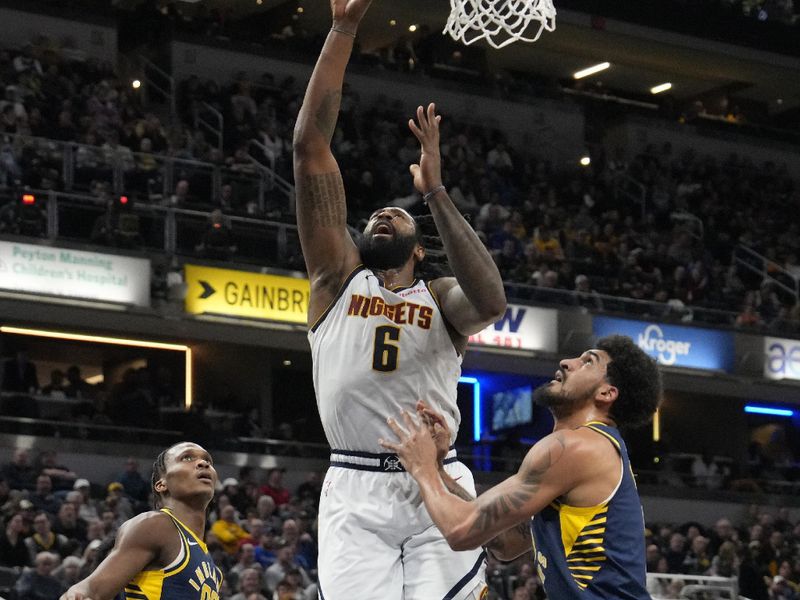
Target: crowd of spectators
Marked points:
59	525
564	235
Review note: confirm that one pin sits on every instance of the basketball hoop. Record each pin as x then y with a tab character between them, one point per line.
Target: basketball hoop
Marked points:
500	22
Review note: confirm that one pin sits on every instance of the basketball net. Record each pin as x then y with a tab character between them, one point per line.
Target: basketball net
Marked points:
500	22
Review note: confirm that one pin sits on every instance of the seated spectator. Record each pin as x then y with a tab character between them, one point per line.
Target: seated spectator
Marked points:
68	524
42	497
68	573
132	481
250	583
274	488
76	386
45	540
706	472
217	242
56	388
246	558
265	554
19	474
285	563
228	531
80	497
39	583
61	476
118	502
13	551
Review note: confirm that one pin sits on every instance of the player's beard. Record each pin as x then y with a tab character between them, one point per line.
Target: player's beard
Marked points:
382	254
562	404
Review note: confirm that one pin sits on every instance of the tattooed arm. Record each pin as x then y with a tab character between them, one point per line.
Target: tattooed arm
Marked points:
549	470
328	250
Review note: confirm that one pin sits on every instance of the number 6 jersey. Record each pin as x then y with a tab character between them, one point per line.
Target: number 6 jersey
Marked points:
377	351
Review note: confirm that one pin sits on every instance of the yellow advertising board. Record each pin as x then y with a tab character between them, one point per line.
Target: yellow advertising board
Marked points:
246	294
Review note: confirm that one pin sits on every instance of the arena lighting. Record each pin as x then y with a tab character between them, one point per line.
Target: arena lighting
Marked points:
136	84
123	199
28	199
476	405
657	426
99	339
663	87
392	22
766	410
591	70
585	161
412	28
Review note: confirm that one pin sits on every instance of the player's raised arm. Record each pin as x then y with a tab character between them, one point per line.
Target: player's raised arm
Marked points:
475	298
329	252
139	544
549	470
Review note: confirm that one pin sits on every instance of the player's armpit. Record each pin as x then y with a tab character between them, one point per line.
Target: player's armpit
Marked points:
139	543
512	543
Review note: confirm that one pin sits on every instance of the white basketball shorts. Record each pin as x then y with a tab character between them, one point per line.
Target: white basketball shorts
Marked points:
377	541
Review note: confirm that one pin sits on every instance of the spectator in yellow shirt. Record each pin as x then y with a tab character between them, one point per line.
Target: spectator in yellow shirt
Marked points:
228	531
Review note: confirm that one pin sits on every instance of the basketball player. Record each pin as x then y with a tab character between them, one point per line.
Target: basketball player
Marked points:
381	340
574	493
160	555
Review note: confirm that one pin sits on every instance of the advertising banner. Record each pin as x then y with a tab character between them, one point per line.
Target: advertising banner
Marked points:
246	294
523	328
74	273
674	345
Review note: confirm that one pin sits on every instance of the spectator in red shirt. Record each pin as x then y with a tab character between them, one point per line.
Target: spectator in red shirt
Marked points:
274	487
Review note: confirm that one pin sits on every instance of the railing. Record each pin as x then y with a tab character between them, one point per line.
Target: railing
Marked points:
203	114
160	227
632	190
596	302
155	78
678	586
752	261
268	176
149	175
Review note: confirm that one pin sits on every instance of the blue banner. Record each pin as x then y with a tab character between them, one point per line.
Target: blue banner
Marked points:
674	345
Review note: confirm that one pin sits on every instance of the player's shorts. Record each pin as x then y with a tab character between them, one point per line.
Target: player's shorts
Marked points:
377	541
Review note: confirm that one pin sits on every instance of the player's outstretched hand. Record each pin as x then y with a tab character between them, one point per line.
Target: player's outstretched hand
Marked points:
348	13
414	445
438	429
74	595
428	173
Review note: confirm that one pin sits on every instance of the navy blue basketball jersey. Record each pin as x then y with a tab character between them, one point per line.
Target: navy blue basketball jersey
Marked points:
191	576
594	552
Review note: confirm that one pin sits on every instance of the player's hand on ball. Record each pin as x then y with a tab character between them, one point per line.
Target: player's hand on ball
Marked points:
415	446
438	429
428	173
349	12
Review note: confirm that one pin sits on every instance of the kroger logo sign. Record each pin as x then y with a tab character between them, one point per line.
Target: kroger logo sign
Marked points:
674	345
781	358
667	351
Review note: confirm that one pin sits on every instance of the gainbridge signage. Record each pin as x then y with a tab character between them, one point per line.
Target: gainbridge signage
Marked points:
246	294
674	345
781	358
522	328
47	270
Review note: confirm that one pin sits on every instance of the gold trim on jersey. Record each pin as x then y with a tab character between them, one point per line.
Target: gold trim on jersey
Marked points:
611	438
187	528
583	530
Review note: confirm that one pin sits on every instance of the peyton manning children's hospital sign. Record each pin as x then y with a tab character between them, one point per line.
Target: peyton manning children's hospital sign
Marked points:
74	274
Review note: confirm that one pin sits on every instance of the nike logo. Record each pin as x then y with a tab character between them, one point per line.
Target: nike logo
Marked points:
457	478
193	543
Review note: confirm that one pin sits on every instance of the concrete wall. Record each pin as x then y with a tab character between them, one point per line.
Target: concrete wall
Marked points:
17	28
636	133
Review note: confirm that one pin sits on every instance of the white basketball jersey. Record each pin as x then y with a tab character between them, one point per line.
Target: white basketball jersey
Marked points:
377	351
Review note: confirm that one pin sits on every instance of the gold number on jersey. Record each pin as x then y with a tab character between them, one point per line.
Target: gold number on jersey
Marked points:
387	353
